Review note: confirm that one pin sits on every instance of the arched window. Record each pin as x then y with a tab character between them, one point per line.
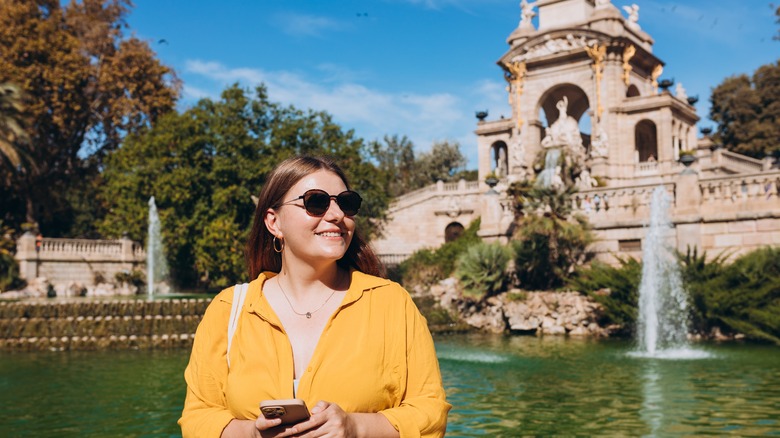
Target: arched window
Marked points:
632	91
453	231
646	141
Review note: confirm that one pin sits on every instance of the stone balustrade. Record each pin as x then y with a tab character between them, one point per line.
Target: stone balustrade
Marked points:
615	204
762	187
440	188
737	162
99	324
392	259
77	260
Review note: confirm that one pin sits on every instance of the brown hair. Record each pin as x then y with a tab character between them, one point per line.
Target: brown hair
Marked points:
260	254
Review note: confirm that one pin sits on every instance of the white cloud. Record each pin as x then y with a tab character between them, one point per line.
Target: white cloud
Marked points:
373	113
191	93
306	25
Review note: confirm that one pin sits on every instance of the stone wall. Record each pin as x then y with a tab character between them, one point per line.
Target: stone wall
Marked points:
438	205
80	261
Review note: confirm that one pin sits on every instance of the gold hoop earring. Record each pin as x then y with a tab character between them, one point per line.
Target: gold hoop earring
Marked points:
281	244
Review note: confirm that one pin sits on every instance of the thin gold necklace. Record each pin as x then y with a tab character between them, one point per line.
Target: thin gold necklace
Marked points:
307	314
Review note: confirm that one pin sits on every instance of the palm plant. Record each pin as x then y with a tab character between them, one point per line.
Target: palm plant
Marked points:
548	245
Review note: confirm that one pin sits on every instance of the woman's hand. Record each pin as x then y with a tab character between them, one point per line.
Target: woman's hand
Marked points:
329	420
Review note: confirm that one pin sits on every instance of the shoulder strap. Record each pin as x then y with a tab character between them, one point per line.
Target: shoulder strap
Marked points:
239	295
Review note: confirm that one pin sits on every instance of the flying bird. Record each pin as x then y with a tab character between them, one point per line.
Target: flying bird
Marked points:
162	41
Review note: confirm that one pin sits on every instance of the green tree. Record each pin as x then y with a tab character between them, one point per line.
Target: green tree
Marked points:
443	162
747	111
396	162
86	85
402	171
203	165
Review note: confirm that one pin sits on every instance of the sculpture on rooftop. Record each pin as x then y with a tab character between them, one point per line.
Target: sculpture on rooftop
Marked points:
527	14
633	16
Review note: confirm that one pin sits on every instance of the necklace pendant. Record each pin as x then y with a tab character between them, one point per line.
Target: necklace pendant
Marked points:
308	315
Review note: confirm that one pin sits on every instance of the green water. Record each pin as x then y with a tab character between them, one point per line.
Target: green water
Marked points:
499	386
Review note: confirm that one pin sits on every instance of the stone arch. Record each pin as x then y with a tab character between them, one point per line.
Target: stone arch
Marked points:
500	154
632	91
646	141
579	106
452	231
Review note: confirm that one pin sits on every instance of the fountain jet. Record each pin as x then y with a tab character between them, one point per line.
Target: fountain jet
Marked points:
156	265
663	303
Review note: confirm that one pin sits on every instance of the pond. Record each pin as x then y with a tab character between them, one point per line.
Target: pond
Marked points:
499	386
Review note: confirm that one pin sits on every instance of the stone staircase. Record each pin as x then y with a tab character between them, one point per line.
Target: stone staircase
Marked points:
99	324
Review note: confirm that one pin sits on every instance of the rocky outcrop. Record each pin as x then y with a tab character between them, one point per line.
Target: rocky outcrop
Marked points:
539	313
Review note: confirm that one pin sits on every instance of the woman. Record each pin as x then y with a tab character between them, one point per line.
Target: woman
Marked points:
318	324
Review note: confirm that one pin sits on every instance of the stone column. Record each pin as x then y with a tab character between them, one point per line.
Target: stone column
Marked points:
127	253
27	256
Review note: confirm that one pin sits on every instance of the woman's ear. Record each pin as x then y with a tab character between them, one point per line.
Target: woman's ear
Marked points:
271	220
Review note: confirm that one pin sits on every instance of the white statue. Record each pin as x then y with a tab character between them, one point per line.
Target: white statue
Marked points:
601	4
585	181
633	15
679	92
565	130
501	163
527	14
599	147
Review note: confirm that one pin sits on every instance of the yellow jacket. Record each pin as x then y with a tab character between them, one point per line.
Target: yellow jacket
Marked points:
375	355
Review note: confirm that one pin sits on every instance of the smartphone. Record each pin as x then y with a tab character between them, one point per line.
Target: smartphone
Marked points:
290	411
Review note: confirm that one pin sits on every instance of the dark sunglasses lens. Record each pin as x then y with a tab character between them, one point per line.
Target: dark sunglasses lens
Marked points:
349	202
316	202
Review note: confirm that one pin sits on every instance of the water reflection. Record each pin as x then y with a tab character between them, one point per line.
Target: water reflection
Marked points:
520	386
499	386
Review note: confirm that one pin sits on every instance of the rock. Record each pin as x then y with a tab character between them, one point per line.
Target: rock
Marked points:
579	331
490	319
553	330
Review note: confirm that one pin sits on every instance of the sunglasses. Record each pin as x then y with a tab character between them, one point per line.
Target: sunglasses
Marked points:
317	202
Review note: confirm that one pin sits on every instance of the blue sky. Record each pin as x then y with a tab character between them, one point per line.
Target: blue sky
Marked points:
419	68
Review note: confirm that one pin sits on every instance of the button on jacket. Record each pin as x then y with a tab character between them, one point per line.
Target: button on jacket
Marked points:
374	355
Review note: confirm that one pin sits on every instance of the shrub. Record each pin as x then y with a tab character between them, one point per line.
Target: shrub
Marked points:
482	269
427	266
622	283
134	277
743	296
547	249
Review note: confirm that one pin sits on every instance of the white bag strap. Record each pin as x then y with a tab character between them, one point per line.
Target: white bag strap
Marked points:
239	295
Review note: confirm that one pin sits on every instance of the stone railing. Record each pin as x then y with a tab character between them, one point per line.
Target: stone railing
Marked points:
390	260
76	260
604	203
440	188
760	187
739	162
647	168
